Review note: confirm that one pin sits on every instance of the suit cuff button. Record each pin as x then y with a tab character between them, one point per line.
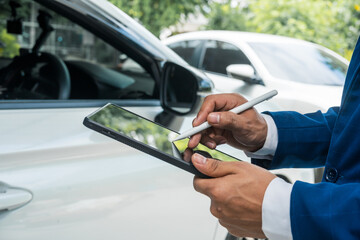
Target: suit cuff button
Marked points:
331	175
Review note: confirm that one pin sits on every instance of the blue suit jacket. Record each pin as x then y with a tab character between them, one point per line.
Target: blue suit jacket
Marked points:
330	209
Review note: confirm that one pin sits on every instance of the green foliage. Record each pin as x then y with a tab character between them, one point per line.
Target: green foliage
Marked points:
10	46
182	145
351	25
331	23
226	16
158	14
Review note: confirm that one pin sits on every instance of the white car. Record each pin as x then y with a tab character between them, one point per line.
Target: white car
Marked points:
308	77
60	180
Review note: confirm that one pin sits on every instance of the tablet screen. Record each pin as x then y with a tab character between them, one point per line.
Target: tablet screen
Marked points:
151	134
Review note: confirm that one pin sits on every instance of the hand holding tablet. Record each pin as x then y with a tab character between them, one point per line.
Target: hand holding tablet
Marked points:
149	137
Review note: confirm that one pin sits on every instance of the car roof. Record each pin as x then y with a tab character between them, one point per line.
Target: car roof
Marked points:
233	36
241	38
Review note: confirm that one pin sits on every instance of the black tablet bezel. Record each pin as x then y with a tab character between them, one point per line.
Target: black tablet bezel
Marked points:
187	166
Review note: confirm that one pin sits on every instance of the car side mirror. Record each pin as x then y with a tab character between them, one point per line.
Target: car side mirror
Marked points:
243	72
179	87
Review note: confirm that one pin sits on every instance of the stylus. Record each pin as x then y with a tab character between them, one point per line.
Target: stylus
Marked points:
236	110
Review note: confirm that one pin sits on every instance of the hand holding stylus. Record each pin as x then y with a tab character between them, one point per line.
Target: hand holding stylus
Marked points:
246	131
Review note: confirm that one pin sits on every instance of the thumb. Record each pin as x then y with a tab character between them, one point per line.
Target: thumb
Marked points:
211	167
224	120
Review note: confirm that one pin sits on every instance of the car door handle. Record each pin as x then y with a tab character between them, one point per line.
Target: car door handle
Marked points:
13	197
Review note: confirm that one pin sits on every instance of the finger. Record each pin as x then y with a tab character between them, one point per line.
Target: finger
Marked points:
208	141
194	140
204	138
210	105
212	167
217	136
217	102
225	224
226	120
210	187
197	121
218	131
213	142
202	185
219	140
200	118
187	154
234	230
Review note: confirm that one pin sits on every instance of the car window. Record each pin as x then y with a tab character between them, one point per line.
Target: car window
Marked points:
188	50
219	55
303	63
96	69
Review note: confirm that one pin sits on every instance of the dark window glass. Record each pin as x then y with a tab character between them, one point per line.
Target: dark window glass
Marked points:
220	55
301	63
97	70
187	50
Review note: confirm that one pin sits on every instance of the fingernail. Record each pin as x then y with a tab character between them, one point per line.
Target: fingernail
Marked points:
211	144
214	118
199	159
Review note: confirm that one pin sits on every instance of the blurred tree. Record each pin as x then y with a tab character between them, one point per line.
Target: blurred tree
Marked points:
351	25
158	14
227	15
331	23
317	21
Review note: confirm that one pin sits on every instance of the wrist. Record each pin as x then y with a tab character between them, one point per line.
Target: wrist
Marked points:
270	145
261	135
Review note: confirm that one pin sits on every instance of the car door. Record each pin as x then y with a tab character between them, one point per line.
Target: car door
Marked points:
216	57
60	180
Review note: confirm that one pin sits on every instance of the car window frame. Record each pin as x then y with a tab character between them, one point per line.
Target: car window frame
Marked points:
201	60
53	104
198	51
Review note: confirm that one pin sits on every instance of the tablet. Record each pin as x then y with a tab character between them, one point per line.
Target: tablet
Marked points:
149	137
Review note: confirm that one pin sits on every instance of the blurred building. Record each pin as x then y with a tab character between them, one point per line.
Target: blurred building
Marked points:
193	22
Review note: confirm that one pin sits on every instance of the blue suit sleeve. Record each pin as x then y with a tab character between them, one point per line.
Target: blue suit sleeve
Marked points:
325	211
303	140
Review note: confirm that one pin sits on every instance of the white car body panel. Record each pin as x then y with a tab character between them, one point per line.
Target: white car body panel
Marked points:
88	186
297	97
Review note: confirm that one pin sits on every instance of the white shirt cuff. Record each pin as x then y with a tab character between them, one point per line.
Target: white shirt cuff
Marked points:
276	210
271	142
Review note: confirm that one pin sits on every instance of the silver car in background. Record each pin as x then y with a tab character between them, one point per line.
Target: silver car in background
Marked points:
309	77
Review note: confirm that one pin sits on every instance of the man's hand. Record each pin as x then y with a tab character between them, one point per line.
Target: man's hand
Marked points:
236	192
246	131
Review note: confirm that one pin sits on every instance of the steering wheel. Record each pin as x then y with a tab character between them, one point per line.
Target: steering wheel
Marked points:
51	81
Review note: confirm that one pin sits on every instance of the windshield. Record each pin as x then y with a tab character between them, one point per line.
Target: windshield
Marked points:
134	30
303	63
